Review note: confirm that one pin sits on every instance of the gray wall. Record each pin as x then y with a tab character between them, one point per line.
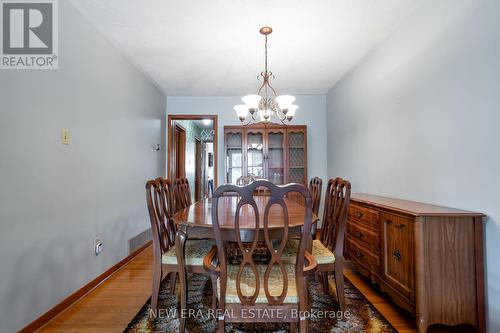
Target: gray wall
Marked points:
55	199
418	118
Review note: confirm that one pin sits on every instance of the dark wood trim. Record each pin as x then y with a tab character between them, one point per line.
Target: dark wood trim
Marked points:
170	134
77	295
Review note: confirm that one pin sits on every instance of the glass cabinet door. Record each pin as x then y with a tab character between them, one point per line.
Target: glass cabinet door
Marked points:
255	153
275	156
234	156
296	157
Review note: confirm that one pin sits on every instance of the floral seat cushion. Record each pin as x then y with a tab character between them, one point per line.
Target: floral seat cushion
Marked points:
195	252
247	284
322	254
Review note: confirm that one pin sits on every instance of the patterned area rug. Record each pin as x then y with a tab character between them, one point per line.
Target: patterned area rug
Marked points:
363	317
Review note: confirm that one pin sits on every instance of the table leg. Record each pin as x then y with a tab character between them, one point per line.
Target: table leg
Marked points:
180	242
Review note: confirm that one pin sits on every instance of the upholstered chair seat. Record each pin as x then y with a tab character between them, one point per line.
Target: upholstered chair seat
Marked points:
322	254
247	284
195	251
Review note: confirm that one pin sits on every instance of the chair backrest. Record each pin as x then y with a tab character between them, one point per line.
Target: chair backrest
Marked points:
182	193
315	186
159	197
248	238
337	199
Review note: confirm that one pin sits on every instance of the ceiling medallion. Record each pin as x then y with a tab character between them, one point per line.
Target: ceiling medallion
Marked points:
266	105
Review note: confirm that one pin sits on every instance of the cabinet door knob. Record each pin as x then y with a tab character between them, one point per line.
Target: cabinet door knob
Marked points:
397	255
358	234
359	254
400	226
358	214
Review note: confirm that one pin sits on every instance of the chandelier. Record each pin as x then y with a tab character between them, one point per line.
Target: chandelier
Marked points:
266	105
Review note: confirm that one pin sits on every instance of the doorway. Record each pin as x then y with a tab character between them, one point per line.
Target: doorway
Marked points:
192	152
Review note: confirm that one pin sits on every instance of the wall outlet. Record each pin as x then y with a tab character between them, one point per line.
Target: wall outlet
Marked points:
97	246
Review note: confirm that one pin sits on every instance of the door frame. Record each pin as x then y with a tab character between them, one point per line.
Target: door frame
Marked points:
171	118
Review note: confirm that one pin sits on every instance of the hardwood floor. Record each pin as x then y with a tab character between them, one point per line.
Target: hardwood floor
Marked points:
398	318
113	304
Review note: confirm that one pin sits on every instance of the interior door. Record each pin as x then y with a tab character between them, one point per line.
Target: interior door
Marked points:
179	152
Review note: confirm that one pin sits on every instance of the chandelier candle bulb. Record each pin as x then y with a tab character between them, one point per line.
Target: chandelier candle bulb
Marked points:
291	111
266	105
284	101
252	101
241	111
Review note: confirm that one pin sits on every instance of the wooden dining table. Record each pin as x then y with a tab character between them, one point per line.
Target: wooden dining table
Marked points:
195	221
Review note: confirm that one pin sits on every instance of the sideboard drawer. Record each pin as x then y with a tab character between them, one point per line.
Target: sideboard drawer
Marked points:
364	215
364	236
362	256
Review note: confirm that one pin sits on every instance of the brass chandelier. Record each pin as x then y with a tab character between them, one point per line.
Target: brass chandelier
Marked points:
266	105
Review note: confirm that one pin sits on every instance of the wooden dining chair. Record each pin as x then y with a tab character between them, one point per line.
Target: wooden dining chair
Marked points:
159	196
332	236
315	187
182	194
252	286
329	248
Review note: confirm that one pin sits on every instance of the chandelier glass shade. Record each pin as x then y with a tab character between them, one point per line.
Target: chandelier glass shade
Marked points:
266	105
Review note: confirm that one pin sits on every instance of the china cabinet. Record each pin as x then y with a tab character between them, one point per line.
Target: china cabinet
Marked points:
270	151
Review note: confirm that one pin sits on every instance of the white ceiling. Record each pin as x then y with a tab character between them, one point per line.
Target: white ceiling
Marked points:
214	47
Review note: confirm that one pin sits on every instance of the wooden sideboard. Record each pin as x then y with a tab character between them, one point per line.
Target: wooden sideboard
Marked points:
429	259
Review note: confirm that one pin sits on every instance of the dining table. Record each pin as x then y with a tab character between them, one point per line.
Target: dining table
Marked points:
195	221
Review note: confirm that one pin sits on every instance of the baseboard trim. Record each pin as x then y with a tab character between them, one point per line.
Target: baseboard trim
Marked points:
77	295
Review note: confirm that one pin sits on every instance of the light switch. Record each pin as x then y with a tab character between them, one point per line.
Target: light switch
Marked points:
65	136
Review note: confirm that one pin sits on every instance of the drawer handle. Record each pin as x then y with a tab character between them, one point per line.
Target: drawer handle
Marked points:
358	234
359	254
399	226
358	214
397	255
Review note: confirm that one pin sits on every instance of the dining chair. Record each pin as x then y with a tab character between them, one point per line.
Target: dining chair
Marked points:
159	196
250	286
329	248
182	194
315	187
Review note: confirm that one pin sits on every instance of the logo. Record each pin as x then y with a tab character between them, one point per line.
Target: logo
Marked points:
29	34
